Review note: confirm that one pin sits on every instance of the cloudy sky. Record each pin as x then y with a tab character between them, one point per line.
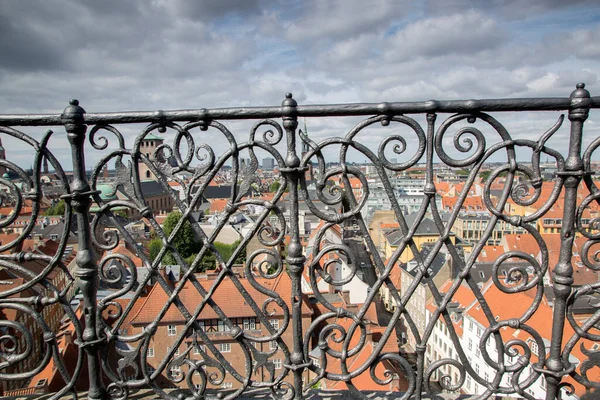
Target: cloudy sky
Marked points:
175	54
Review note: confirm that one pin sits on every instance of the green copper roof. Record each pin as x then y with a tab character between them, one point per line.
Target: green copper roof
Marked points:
150	136
106	192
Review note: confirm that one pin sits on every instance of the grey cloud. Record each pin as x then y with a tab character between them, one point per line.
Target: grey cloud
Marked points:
509	9
208	10
460	33
582	43
331	20
170	55
26	47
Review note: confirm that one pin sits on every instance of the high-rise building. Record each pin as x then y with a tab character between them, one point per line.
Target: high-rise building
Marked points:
268	163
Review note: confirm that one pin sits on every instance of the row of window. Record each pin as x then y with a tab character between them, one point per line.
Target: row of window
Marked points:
217	325
223	348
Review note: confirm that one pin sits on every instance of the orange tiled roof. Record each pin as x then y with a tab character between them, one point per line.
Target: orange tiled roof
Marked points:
218	205
363	381
471	203
389	225
443	187
226	296
490	253
123	250
541	321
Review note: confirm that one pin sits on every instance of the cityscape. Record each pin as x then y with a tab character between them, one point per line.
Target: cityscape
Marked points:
503	256
299	199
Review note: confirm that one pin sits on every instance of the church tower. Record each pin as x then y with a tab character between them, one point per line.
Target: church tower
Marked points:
308	175
148	147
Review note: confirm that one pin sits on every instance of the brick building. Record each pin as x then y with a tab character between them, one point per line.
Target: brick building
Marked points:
174	337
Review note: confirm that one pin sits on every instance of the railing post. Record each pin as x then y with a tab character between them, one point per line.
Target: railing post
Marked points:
563	272
294	259
86	272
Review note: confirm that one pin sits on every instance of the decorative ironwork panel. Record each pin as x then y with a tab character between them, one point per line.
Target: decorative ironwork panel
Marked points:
376	292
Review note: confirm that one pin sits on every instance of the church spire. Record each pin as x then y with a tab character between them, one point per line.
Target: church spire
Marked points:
304	144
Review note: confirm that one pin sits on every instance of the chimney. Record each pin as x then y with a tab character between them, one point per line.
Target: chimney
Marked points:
238	270
346	296
331	289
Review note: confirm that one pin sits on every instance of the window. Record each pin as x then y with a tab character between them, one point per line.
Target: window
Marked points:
470	344
199	347
226	385
470	325
147	174
171	330
478	331
222	327
277	363
175	370
201	325
249	324
534	348
225	347
274	323
150	352
273	345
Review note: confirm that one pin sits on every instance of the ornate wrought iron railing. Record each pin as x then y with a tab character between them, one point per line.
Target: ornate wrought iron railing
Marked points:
115	343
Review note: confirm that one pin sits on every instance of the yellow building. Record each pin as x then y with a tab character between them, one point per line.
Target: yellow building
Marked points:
470	227
426	232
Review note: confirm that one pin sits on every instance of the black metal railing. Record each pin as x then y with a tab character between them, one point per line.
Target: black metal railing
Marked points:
143	325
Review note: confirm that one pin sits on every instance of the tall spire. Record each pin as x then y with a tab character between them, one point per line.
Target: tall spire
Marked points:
304	144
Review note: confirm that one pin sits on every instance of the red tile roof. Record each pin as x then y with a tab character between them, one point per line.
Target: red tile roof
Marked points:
226	296
218	205
541	321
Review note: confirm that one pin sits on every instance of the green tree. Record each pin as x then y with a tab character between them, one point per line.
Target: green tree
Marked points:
154	248
56	209
274	186
184	241
121	213
226	251
484	175
187	246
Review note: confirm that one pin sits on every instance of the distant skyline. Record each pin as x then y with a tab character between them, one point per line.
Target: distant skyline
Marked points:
175	54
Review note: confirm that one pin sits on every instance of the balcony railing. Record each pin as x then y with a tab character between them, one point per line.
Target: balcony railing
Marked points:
430	318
